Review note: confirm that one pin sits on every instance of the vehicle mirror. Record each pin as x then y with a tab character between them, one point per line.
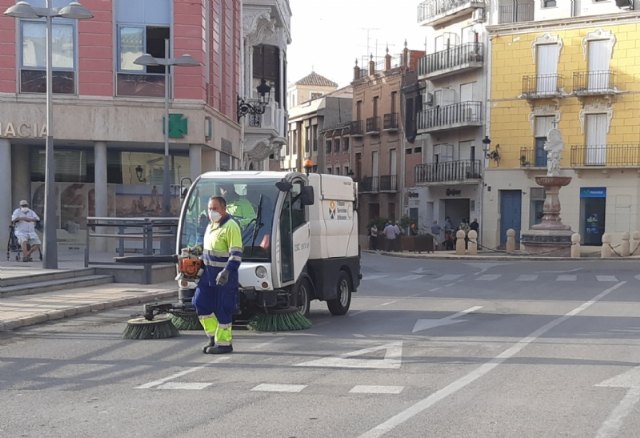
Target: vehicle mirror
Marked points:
284	185
307	195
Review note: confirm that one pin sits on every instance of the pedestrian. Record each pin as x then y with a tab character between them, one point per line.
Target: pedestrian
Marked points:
216	294
373	237
396	240
475	226
24	221
436	229
390	235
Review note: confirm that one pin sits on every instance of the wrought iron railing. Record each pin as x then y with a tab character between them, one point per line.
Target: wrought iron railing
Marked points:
458	114
373	124
456	56
448	171
375	184
527	157
594	82
515	11
355	128
606	155
390	121
541	86
432	8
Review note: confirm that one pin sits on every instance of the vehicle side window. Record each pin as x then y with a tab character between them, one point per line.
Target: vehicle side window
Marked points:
298	214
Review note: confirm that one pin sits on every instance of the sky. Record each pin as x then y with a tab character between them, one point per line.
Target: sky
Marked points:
328	35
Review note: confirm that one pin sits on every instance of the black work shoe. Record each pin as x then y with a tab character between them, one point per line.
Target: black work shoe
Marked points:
211	344
219	349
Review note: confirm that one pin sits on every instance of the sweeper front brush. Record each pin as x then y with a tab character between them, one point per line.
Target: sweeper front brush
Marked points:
160	327
282	320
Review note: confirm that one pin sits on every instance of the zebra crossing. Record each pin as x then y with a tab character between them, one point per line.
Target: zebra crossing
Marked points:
448	278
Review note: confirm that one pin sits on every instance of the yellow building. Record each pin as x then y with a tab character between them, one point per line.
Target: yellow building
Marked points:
580	75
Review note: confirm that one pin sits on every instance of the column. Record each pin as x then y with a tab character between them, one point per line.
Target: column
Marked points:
99	244
6	206
195	161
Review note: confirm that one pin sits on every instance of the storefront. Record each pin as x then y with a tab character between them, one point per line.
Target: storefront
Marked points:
593	202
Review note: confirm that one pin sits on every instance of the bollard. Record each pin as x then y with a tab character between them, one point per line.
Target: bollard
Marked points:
625	247
460	235
511	241
575	246
636	242
607	250
473	242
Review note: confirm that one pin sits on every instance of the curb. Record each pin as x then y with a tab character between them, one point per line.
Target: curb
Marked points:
510	258
53	315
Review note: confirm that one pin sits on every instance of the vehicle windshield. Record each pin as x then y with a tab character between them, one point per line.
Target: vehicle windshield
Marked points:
246	200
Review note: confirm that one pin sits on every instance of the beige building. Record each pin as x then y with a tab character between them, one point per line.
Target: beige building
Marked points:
309	88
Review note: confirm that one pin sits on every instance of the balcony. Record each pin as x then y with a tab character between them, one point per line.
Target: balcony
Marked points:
531	158
457	115
376	184
605	156
456	59
594	83
449	172
355	128
541	87
515	11
438	13
373	126
390	122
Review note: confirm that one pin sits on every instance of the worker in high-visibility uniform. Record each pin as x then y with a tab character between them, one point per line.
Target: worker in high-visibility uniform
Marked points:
237	206
216	294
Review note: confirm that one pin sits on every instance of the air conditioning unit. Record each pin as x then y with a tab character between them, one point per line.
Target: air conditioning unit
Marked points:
478	15
429	99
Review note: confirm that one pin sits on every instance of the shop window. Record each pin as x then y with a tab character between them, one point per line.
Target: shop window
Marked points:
33	57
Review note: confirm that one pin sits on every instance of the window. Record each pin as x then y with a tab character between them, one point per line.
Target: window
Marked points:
143	27
328	146
33	57
336	144
549	3
345	143
314	138
316	95
328	170
307	140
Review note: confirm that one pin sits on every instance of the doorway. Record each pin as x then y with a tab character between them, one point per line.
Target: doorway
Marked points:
510	214
457	210
592	214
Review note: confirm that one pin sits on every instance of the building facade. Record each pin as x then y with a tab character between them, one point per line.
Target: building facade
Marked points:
108	111
574	66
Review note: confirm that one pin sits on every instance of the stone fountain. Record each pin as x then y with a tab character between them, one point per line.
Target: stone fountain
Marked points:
550	237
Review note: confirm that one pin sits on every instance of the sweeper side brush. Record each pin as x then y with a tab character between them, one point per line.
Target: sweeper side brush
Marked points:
186	321
159	328
282	320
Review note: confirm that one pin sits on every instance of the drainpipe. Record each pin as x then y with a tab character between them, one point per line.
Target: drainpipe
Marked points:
487	124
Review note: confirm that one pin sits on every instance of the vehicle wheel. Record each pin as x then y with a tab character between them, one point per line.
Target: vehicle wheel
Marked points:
303	293
340	305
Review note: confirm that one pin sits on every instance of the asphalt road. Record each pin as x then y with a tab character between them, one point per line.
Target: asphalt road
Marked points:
430	348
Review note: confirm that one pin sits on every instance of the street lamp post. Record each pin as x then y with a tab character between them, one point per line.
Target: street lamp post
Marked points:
73	10
167	62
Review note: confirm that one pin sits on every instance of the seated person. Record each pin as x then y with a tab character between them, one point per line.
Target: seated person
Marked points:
238	207
24	220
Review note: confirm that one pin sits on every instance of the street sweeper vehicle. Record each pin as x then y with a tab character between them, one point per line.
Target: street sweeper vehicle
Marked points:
300	238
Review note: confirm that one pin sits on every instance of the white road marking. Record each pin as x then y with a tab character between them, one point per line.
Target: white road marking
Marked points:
181	373
388	303
375	389
392	358
184	385
373	277
489	277
449	277
435	289
527	277
276	387
425	324
566	277
479	372
629	379
410	277
606	278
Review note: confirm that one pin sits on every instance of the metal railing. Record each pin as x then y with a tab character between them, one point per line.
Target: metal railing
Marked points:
429	9
375	184
355	128
390	121
373	125
449	116
541	86
134	236
594	82
448	171
609	155
456	56
515	11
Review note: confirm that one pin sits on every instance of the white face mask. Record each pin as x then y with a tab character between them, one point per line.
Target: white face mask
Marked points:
24	209
214	216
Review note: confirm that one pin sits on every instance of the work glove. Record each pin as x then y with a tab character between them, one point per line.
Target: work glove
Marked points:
223	277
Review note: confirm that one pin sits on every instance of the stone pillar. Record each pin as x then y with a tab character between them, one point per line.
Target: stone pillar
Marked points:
460	242
195	161
625	248
575	246
606	250
511	241
6	205
101	192
473	242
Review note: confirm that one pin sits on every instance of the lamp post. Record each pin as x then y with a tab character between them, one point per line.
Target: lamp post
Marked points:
73	10
245	107
149	61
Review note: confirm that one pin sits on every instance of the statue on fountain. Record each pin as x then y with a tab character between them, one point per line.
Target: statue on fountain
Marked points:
554	147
